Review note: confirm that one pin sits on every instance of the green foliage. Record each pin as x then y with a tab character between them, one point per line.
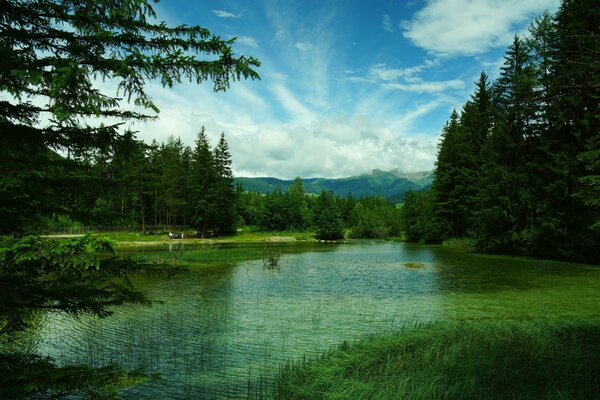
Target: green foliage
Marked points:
271	257
466	360
225	195
327	217
375	218
27	376
517	171
422	224
74	276
202	185
79	276
52	52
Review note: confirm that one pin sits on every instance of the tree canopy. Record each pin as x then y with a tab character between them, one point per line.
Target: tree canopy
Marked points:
57	58
517	171
59	116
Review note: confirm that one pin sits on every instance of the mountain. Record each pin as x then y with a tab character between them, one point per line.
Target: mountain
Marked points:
391	184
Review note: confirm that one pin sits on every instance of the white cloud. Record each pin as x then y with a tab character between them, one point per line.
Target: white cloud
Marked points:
337	147
387	23
292	105
468	27
384	73
226	14
308	145
304	47
407	79
426	87
247	41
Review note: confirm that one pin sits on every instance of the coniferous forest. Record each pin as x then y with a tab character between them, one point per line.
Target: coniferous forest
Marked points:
517	172
518	167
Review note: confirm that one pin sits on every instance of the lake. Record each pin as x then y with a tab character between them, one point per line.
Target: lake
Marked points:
221	331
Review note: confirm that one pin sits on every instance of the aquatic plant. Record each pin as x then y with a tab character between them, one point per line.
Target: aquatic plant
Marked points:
271	256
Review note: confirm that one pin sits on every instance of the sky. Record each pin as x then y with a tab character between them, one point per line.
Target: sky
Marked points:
346	86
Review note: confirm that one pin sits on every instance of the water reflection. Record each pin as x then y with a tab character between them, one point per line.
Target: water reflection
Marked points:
214	332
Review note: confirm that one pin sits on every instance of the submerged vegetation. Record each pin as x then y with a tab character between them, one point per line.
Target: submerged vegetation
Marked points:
466	360
271	257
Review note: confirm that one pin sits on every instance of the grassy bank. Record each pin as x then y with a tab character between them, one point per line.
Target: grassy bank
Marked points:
456	361
243	236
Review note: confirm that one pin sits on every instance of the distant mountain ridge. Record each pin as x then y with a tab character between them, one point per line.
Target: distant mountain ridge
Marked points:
393	184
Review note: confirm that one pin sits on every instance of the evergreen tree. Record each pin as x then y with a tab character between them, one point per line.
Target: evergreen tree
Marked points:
419	216
225	197
202	185
172	186
506	199
572	140
327	217
53	50
275	212
447	184
299	216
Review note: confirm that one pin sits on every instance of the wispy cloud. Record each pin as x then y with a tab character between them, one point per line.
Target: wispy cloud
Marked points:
247	41
226	14
426	87
293	106
466	27
407	79
302	46
387	23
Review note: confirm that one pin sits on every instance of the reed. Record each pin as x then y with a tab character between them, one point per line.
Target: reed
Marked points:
466	360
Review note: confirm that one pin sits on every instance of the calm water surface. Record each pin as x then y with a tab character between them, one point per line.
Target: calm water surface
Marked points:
222	331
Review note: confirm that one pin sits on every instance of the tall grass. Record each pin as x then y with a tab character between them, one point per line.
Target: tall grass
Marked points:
456	361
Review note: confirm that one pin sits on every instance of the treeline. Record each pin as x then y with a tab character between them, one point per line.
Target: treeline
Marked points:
518	169
134	184
154	186
329	215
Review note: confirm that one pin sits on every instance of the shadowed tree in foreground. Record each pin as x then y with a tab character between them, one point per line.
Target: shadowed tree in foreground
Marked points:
54	57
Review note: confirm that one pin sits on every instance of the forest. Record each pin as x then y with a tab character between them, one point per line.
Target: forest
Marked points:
517	172
156	187
518	167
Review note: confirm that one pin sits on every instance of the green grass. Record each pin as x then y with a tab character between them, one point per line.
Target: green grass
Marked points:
212	254
244	235
201	257
466	360
124	237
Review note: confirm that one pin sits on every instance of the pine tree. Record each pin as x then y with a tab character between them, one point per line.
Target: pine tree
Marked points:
299	217
275	212
327	217
225	196
573	137
447	185
506	197
52	53
202	185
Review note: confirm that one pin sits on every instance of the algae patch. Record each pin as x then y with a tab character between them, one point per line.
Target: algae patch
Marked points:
413	265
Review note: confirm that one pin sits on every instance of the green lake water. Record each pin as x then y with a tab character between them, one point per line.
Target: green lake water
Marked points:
221	331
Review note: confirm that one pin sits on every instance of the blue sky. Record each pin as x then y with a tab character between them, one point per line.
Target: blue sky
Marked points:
347	86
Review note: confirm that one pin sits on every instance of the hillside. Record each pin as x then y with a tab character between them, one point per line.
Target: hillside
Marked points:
391	184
